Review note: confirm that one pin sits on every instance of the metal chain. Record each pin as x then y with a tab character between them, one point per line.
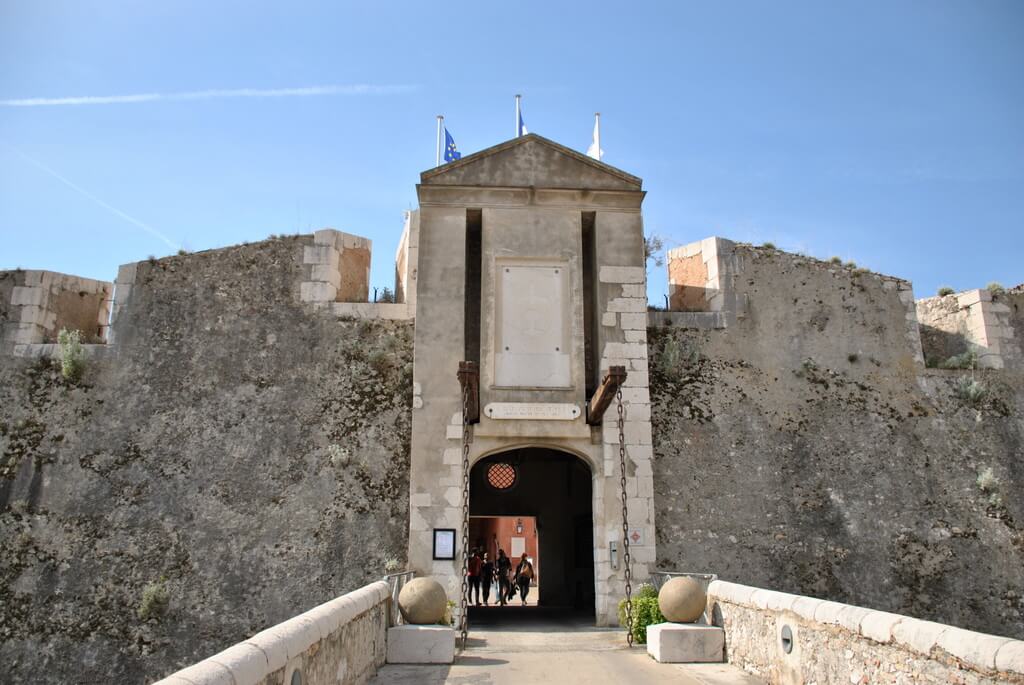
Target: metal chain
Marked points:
625	520
464	618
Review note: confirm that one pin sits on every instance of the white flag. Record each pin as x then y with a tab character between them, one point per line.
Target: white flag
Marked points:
595	150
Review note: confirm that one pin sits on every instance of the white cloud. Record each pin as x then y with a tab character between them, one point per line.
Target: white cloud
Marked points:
308	91
85	193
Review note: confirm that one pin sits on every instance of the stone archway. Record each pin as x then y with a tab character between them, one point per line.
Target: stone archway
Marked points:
556	489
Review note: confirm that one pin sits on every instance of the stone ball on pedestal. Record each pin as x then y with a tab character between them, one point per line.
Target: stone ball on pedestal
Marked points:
422	601
682	600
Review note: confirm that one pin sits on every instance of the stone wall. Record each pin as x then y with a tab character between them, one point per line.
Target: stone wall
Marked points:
238	452
341	642
974	320
805	448
829	642
38	304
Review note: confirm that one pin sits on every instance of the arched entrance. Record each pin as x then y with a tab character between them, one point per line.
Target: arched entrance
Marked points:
538	500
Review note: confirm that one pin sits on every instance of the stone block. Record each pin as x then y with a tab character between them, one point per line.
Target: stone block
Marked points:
609	319
627	304
622	274
918	635
421	645
805	607
327	236
972	297
1010	657
634	290
636	336
977	649
851	616
677	643
320	254
315	291
206	673
247	663
625	350
22	295
633	321
878	625
325	273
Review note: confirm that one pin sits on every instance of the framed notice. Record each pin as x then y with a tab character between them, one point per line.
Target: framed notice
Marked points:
444	543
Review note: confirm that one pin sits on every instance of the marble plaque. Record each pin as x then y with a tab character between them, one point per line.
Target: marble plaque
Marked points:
543	411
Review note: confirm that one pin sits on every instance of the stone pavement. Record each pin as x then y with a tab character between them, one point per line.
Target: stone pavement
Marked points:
524	650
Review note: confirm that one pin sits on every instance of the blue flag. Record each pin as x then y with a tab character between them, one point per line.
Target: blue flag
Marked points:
522	126
450	154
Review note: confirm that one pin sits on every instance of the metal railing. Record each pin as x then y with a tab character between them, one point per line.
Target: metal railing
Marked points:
396	581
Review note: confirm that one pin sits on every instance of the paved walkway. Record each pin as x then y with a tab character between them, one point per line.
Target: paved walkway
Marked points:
508	648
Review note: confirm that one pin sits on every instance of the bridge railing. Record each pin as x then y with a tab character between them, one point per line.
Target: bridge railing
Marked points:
396	581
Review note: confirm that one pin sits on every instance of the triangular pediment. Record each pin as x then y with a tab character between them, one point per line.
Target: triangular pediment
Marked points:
531	161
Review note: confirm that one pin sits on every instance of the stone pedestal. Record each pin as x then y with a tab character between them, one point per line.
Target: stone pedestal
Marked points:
685	643
411	644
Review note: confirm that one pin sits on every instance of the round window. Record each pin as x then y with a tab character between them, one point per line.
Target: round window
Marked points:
501	476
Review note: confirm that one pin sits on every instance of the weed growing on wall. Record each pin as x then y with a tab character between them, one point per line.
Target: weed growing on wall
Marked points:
970	391
995	288
769	245
836	259
965	360
988	482
155	600
72	356
945	290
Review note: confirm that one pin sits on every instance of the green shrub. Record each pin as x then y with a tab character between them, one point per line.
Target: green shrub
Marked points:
851	264
970	391
155	600
647	590
987	479
449	615
945	290
995	288
769	245
964	360
72	356
645	613
835	259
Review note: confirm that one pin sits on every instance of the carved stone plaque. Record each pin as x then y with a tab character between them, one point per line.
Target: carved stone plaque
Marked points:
543	411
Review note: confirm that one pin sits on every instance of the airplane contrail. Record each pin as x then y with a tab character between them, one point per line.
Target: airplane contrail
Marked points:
85	193
308	91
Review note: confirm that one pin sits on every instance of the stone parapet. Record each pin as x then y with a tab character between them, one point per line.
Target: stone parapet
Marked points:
40	303
794	639
970	320
337	268
340	642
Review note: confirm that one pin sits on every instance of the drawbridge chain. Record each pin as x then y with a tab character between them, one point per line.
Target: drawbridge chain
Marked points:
625	518
464	604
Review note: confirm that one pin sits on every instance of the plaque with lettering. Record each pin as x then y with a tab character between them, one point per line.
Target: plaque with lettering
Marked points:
537	411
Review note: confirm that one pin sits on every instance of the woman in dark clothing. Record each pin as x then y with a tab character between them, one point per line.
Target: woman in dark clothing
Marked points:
486	577
524	574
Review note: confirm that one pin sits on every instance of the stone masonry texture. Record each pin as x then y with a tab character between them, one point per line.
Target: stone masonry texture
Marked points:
801	450
239	454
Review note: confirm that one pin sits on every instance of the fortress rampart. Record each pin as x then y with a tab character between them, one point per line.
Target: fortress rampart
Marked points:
241	440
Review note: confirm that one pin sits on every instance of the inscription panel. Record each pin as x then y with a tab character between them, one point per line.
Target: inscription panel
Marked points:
542	411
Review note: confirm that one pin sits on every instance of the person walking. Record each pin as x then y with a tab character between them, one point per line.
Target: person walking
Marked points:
524	575
486	576
473	574
504	567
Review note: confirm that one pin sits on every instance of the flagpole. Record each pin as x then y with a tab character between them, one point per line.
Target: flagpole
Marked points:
440	123
597	129
517	115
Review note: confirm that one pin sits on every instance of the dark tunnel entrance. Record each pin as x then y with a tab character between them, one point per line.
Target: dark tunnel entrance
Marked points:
539	501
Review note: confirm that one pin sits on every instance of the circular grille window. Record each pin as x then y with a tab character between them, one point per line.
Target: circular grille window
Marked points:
501	476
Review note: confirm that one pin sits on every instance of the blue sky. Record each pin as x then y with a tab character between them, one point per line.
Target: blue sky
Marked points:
888	133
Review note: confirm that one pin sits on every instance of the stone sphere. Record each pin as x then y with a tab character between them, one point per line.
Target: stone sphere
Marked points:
682	600
422	601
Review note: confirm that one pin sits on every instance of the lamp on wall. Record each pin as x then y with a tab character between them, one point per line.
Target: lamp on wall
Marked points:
519	526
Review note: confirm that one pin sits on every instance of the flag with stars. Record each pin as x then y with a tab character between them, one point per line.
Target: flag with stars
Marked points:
450	153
